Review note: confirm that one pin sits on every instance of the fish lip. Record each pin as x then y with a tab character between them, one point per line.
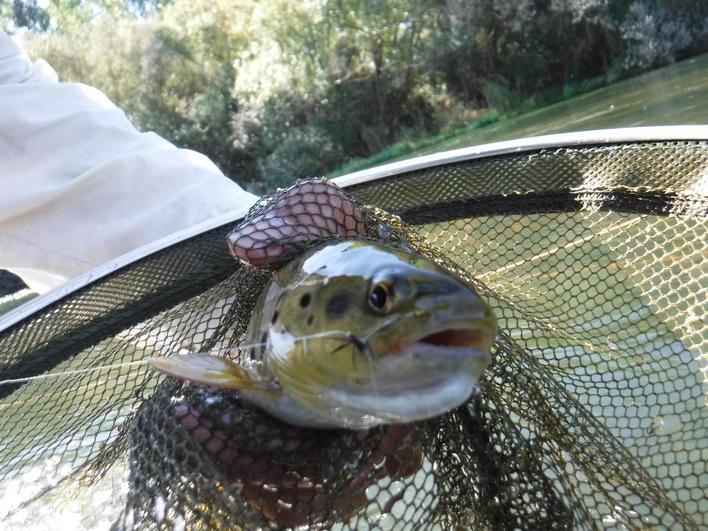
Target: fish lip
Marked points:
422	352
406	404
428	383
460	338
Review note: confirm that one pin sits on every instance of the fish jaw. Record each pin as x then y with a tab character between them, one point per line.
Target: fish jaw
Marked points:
361	409
418	378
418	382
461	338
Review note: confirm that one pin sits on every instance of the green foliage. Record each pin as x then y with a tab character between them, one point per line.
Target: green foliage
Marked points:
402	149
302	152
500	96
23	15
69	16
655	36
275	91
158	77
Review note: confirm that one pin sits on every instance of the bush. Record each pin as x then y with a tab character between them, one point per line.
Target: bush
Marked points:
302	152
499	96
654	37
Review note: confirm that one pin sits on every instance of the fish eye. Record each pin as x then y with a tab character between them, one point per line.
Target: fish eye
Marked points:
379	296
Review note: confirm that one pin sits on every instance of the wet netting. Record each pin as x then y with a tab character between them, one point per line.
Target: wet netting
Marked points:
592	414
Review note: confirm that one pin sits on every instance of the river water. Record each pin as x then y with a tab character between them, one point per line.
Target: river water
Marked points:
673	95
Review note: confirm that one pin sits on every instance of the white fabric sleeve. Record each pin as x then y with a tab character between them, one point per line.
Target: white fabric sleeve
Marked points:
79	185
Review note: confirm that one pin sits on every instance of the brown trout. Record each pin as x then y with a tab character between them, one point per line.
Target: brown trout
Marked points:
354	334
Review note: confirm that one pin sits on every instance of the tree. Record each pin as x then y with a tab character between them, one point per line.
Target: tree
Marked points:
26	15
277	90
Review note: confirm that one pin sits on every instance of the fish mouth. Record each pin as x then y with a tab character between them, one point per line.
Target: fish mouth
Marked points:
452	337
421	377
451	342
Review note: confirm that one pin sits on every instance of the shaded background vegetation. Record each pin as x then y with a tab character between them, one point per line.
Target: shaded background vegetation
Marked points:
275	91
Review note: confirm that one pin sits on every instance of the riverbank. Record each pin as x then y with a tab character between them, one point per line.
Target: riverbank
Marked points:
672	95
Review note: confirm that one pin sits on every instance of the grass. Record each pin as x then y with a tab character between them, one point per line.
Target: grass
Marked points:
12	301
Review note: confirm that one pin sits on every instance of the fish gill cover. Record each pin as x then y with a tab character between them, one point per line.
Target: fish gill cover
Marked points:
591	414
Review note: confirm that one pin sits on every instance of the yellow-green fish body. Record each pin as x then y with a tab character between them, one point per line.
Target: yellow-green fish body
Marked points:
355	334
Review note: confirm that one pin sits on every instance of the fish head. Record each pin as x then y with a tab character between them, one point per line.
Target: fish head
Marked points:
366	334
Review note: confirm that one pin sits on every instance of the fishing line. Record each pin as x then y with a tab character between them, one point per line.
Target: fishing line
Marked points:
337	333
75	371
391	320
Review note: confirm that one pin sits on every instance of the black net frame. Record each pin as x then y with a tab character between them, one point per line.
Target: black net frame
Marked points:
656	187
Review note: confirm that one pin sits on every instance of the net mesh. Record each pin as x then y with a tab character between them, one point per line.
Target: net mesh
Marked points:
592	414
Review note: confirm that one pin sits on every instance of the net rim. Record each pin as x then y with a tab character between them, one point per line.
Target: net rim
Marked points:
596	137
618	136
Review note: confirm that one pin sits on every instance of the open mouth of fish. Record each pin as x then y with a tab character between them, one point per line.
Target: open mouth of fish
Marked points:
422	378
449	343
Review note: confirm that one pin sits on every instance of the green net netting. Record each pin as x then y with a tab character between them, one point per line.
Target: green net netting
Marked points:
591	416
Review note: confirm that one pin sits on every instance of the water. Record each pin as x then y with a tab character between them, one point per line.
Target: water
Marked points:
674	95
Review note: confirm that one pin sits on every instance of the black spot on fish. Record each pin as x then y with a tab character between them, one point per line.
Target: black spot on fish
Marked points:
275	317
305	300
310	320
264	340
338	305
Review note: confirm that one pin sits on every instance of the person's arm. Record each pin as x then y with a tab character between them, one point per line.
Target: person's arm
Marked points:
79	185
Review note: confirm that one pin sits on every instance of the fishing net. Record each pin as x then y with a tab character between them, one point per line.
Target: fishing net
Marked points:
592	414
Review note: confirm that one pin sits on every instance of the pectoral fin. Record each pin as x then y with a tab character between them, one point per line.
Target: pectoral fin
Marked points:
203	368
